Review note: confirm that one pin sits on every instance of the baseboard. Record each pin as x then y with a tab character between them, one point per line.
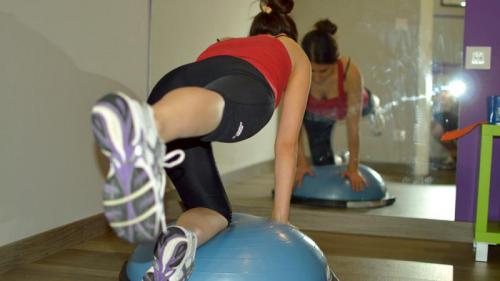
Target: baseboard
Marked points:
47	243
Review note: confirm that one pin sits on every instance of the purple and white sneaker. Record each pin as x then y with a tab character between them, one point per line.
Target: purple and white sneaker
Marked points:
126	133
173	256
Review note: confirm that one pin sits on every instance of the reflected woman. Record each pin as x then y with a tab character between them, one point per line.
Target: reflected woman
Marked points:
337	93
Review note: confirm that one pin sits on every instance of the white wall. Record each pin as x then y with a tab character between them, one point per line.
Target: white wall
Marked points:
56	58
181	29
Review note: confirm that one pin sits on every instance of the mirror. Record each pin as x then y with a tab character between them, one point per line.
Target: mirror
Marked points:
410	55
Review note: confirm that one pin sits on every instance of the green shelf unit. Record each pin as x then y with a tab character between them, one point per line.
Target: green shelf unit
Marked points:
486	233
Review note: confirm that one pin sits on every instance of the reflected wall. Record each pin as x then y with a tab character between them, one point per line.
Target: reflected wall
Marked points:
406	50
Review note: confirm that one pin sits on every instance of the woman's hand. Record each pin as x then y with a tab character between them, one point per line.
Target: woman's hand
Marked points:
358	182
301	171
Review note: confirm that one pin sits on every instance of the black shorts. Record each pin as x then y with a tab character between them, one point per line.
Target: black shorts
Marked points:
249	105
319	134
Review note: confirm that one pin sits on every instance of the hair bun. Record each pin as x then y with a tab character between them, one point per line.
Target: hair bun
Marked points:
280	6
326	26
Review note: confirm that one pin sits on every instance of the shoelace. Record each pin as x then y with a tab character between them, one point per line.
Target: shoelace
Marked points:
171	155
181	155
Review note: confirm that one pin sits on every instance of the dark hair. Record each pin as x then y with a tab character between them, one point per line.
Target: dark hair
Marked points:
319	44
277	21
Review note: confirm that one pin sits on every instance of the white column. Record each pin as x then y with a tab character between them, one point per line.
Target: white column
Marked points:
423	105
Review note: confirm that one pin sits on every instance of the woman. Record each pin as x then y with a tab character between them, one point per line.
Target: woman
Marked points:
227	95
336	93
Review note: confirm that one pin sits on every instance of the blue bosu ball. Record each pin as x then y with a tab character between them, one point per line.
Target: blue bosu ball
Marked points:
329	187
251	249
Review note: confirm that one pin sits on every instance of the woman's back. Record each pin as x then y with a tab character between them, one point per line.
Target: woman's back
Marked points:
264	52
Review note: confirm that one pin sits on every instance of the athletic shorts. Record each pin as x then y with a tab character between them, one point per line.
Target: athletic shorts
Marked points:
319	134
249	105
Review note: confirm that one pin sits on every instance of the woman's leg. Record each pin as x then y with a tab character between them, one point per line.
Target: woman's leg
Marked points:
319	134
200	187
188	112
246	109
204	222
229	108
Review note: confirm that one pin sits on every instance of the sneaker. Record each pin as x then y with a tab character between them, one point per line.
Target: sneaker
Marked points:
126	133
173	256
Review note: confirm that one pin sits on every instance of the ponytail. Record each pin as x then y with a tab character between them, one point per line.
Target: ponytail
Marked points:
274	19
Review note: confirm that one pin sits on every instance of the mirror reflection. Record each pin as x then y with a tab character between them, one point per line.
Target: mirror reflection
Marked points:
408	54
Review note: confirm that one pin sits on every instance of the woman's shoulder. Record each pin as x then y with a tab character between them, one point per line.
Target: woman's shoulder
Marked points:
352	74
345	60
350	67
295	51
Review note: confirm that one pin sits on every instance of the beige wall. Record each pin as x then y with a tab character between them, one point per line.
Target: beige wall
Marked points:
448	38
181	29
56	58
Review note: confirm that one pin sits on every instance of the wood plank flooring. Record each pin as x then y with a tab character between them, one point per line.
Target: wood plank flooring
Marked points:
352	255
353	258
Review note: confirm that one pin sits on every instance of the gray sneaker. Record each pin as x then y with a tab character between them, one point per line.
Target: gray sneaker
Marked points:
173	256
126	133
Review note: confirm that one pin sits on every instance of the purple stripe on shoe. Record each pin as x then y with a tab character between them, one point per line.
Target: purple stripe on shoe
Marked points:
122	106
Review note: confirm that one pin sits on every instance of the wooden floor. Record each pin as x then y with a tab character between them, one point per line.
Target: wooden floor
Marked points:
352	257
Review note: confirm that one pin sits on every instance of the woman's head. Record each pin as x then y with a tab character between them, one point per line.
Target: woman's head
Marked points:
320	45
274	19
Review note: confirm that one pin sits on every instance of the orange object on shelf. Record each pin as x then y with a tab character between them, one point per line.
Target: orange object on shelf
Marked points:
456	134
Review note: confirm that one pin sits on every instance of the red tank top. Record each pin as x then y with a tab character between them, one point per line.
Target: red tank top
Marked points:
334	108
266	53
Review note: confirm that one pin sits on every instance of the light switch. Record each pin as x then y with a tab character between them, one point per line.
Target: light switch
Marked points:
477	57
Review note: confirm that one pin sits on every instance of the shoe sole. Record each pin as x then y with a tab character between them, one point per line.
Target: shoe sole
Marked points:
132	195
183	261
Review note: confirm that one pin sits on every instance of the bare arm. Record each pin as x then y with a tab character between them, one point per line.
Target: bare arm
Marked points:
303	166
301	161
286	145
354	87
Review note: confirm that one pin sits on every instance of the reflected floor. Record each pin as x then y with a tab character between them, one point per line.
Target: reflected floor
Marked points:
421	201
404	173
418	201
